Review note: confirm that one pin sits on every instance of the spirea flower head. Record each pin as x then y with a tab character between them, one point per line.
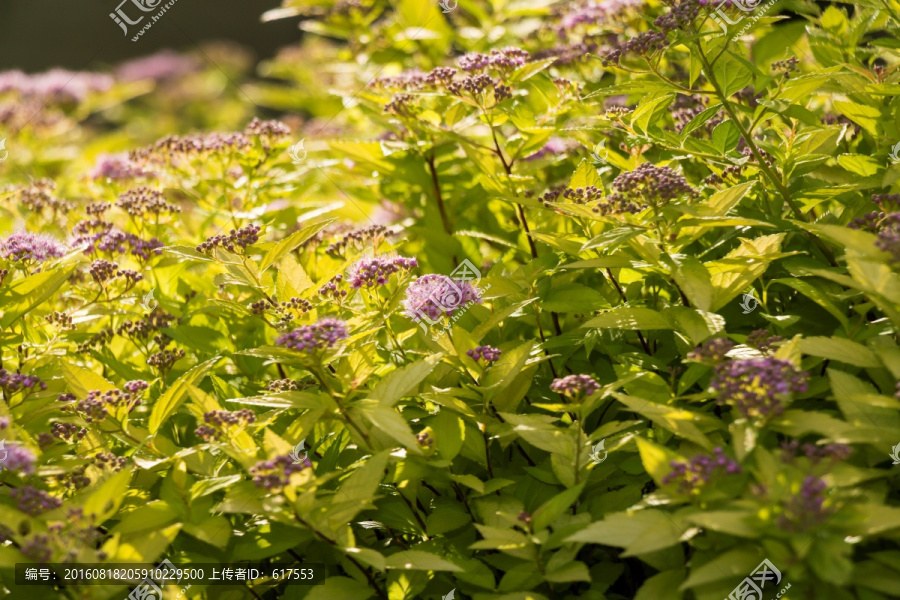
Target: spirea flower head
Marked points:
762	340
651	184
19	459
56	85
24	245
712	351
158	67
438	295
33	501
805	509
488	353
309	338
814	453
697	472
575	386
757	387
139	201
16	382
275	474
118	167
236	238
371	272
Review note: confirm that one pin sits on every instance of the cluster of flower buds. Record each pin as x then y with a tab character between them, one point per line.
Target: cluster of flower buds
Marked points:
38	196
74	479
711	352
371	272
762	340
60	321
19	458
103	271
12	383
108	460
575	386
757	387
786	67
236	238
308	339
357	238
56	85
805	509
692	475
118	167
204	145
332	288
488	353
67	431
143	200
164	358
814	453
218	422
273	475
649	184
288	385
97	404
33	501
425	440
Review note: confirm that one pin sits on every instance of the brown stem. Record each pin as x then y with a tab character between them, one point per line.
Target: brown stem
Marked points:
765	168
437	194
625	299
412	509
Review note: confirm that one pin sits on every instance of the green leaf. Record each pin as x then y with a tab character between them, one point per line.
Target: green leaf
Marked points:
81	381
692	277
292	241
731	74
572	297
401	382
420	560
631	319
553	508
725	136
839	349
104	501
340	588
864	116
30	292
663	586
172	398
859	164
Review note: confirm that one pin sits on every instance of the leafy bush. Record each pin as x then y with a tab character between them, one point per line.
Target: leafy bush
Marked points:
667	352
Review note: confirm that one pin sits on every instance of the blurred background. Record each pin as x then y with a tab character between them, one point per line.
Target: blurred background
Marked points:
38	35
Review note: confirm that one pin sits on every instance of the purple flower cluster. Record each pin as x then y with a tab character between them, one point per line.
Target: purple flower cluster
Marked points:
33	501
438	295
570	15
97	403
371	272
310	338
488	353
651	184
18	458
275	474
15	382
203	145
24	245
67	431
142	200
104	270
218	421
357	238
757	387
698	471
814	453
504	60
805	509
711	352
762	340
158	67
56	85
97	235
555	146
575	386
108	460
236	238
118	167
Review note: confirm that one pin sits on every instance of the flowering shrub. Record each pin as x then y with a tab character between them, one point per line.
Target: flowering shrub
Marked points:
662	240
